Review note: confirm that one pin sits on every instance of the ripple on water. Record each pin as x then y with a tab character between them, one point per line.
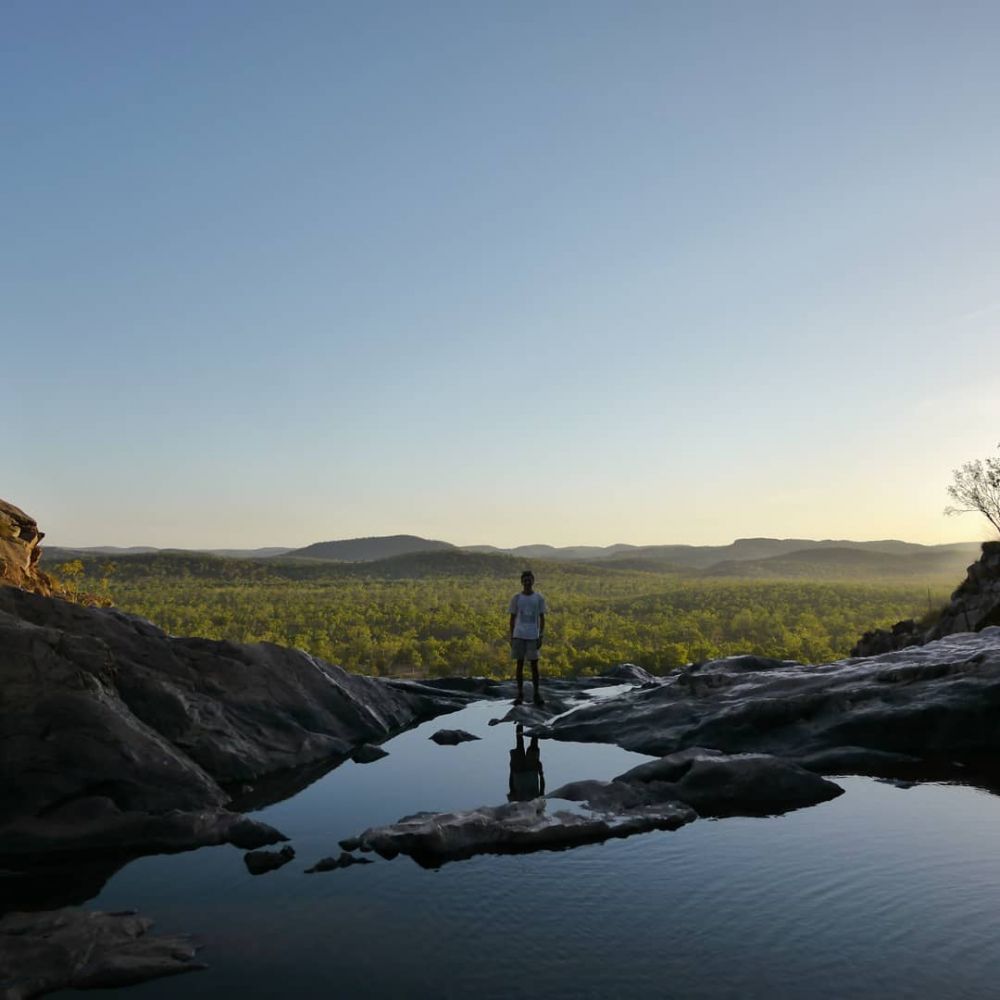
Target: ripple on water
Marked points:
880	893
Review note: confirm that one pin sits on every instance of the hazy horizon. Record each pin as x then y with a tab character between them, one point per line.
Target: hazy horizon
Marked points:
582	271
49	543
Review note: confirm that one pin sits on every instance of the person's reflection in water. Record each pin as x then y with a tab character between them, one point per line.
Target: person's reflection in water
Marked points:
527	779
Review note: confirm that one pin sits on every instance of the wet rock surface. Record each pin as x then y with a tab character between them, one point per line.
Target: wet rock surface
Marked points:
942	698
116	734
629	672
368	754
343	860
532	713
451	737
43	952
716	784
660	795
432	839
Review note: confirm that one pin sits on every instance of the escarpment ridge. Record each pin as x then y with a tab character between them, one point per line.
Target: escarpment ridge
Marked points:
974	605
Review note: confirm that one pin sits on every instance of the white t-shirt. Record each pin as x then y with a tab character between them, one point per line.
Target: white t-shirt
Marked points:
527	607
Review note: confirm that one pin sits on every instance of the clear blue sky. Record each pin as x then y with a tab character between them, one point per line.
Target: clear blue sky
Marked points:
511	272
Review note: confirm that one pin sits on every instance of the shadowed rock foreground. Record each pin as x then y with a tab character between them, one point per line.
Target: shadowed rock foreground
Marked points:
117	735
42	952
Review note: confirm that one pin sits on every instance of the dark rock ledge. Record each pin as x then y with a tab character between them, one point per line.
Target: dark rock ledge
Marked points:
115	735
936	701
43	952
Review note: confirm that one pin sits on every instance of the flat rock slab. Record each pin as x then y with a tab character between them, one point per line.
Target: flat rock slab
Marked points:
452	737
715	784
260	862
941	699
83	949
432	839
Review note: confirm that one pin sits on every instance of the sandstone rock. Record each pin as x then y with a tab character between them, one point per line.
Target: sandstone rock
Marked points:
711	783
19	551
43	952
432	839
941	699
629	672
117	734
974	605
452	737
260	862
531	714
28	838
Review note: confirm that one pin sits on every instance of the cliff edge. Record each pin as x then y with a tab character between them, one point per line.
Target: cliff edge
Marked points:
20	551
974	605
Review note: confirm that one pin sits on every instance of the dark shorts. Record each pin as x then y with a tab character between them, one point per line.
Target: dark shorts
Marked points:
524	649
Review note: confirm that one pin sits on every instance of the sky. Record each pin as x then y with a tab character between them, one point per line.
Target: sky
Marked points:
565	272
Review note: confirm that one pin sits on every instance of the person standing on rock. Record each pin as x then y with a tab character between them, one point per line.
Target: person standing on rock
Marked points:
527	627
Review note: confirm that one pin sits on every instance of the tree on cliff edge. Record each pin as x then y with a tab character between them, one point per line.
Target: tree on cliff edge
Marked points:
976	489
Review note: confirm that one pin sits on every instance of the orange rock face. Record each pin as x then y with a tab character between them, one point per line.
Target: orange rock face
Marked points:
19	552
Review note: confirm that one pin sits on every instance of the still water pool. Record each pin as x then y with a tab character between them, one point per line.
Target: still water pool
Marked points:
883	892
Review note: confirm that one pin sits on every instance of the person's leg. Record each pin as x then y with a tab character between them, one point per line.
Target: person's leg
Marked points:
534	682
520	681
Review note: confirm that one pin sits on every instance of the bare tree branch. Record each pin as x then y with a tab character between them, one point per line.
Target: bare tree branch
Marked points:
976	490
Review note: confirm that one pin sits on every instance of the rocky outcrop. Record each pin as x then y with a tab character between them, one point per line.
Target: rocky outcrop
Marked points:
661	795
451	737
117	735
629	672
262	862
974	605
431	839
937	700
19	551
43	952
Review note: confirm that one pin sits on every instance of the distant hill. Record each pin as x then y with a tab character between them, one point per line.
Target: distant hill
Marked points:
836	563
565	552
58	553
703	557
443	562
409	557
65	551
369	549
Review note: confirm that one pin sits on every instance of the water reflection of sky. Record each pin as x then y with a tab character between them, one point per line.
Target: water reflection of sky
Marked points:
882	892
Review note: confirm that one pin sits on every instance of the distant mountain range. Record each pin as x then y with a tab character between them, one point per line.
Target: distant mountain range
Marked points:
63	552
762	558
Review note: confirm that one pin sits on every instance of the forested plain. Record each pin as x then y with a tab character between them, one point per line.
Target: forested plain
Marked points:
441	614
